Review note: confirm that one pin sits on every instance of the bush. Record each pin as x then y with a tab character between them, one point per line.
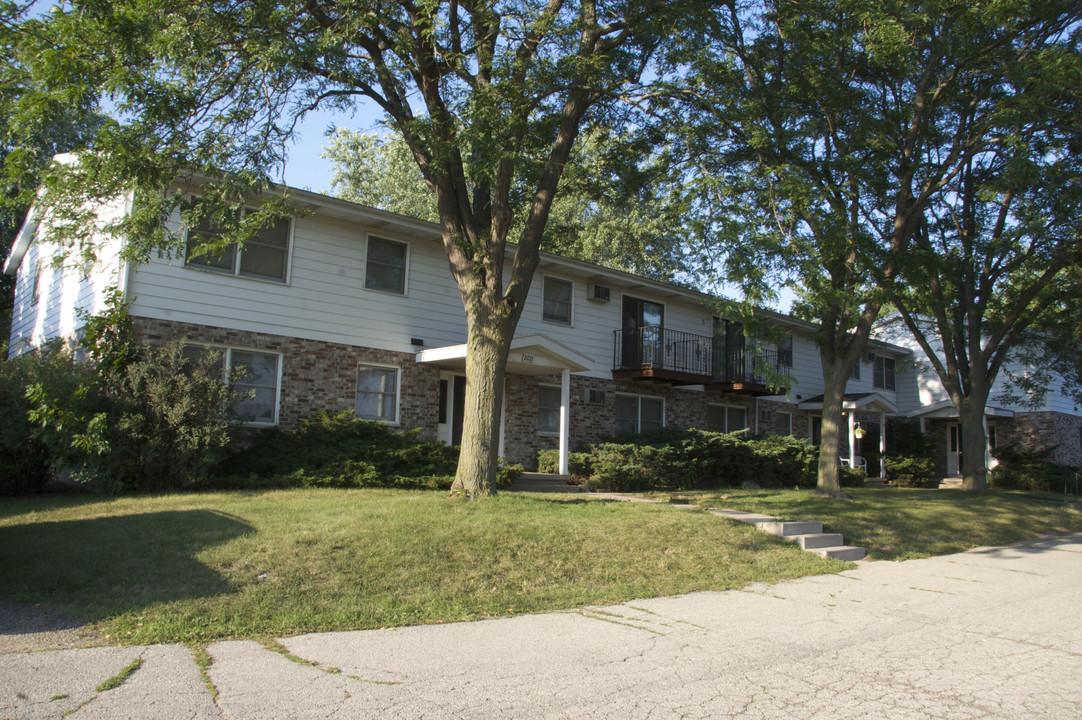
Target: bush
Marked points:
24	459
909	471
851	477
579	464
673	459
160	422
1025	469
338	450
129	418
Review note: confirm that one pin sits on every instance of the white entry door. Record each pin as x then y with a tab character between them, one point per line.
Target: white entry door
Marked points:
954	449
452	400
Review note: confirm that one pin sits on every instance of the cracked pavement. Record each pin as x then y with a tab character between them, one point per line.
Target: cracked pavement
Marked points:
991	633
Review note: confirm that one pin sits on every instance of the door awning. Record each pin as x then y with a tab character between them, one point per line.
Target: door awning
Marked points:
530	355
944	409
856	402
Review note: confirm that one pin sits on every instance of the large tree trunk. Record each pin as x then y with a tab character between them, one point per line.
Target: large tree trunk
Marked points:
974	444
487	345
829	482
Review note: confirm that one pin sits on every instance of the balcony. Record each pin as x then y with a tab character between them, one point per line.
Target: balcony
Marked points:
680	358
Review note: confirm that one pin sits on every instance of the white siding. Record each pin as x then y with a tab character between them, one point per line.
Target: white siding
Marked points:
325	298
67	288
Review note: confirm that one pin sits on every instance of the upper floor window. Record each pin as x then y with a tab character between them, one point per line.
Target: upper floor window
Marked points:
385	267
636	413
265	255
855	373
377	393
883	373
557	300
785	351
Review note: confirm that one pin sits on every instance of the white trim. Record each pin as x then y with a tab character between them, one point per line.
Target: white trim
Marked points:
397	391
368	235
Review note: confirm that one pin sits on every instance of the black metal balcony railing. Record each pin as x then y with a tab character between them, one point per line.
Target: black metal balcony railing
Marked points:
658	349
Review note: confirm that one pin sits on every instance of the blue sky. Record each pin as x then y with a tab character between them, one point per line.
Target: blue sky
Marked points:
305	168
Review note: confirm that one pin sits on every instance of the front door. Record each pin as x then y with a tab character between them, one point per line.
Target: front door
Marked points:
452	408
642	329
954	449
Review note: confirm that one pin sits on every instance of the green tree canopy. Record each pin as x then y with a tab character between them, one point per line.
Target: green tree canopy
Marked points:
483	93
616	204
821	133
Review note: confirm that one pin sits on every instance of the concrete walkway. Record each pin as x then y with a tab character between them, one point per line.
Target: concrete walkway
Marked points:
991	633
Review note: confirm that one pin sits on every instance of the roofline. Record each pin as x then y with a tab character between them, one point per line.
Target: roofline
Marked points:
313	201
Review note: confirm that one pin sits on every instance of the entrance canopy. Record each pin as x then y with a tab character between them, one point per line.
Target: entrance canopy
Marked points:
530	355
945	409
856	402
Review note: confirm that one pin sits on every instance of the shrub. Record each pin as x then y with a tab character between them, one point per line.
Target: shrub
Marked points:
909	471
160	422
24	458
672	459
338	450
129	418
1025	469
579	464
851	477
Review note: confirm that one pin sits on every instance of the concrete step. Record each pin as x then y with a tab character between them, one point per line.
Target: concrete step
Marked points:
952	483
786	528
812	541
841	552
550	477
746	517
877	483
546	483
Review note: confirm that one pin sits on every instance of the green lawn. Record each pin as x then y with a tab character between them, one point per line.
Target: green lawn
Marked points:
200	567
899	523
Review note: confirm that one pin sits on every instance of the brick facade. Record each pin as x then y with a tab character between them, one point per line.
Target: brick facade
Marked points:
317	375
323	376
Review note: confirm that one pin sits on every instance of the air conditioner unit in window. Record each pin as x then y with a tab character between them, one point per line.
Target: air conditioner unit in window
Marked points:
595	397
599	293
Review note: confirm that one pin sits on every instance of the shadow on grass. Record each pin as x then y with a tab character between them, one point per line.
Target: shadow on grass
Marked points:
91	569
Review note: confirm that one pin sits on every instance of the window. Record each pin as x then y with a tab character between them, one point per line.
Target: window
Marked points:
265	255
385	268
783	423
377	393
557	301
548	409
883	373
35	285
253	375
855	375
635	414
726	418
785	352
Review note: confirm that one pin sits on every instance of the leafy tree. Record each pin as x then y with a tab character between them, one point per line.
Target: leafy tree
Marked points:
993	275
379	171
611	207
822	134
28	143
483	93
